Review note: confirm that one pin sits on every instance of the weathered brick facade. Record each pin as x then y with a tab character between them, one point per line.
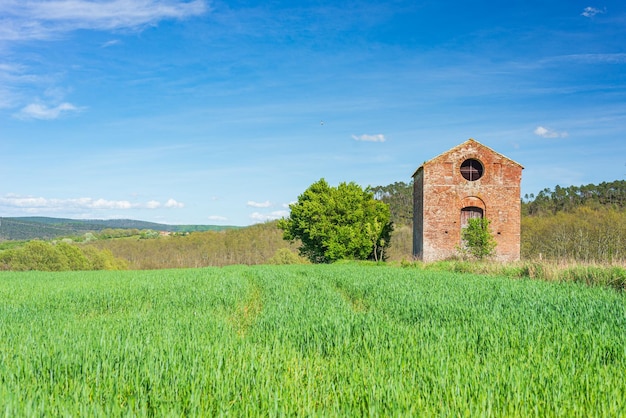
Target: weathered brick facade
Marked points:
467	181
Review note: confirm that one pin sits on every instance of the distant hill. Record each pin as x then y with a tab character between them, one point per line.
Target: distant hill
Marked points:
33	227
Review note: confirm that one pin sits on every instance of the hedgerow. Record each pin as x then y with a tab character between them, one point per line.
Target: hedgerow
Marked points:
45	256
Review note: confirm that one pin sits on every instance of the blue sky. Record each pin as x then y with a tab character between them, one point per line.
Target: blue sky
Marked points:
223	112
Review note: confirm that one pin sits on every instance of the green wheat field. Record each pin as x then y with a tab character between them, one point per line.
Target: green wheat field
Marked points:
308	340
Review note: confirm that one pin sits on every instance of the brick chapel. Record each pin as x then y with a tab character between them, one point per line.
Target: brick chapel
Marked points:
470	180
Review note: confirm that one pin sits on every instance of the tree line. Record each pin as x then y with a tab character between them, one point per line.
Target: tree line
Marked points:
583	234
399	197
566	199
583	223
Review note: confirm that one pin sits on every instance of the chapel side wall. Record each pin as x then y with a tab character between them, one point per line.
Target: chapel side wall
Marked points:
418	214
441	233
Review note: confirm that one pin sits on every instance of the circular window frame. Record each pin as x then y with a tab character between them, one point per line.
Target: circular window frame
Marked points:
472	169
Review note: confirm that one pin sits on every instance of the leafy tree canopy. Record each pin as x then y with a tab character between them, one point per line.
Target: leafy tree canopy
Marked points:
335	223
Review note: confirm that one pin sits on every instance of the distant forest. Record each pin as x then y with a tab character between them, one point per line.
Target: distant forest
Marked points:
605	195
584	223
399	197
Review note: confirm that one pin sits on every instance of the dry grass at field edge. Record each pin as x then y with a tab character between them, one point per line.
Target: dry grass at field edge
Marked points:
611	275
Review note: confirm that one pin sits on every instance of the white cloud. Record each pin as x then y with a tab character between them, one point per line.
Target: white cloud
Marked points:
262	217
43	204
43	19
370	138
31	202
171	203
109	204
549	133
253	204
43	112
591	11
217	218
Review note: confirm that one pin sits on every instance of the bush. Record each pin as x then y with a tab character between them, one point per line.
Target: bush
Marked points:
35	255
103	259
43	256
286	256
478	241
74	258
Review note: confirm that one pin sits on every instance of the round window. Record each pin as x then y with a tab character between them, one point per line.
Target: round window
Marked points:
472	169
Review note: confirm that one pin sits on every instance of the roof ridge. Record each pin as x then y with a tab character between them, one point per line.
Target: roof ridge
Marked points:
471	141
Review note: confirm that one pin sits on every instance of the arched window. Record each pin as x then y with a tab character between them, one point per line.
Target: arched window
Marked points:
472	169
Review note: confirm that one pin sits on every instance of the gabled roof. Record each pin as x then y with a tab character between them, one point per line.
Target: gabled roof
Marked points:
462	145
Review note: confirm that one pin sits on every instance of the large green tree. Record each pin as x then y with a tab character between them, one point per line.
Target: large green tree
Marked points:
336	223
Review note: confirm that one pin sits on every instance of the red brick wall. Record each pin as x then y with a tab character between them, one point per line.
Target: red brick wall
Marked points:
440	192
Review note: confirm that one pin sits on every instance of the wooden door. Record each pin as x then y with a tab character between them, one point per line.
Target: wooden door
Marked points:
469	213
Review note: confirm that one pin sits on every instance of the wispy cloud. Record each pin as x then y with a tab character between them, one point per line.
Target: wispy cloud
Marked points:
549	133
44	112
6	97
42	19
34	204
28	20
217	218
110	43
370	138
11	71
12	77
253	204
616	58
591	11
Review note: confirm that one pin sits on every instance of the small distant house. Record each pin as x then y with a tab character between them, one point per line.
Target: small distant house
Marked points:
470	180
